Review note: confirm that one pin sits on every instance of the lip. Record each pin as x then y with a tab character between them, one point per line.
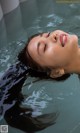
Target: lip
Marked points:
63	39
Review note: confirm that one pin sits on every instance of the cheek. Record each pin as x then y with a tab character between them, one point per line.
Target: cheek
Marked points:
54	56
57	55
60	56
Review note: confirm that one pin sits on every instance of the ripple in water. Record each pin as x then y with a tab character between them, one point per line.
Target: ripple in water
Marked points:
56	20
6	58
37	101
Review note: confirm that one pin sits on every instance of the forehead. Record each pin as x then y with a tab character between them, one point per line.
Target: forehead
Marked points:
32	46
34	40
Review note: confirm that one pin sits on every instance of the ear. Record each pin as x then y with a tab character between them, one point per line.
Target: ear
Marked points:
55	73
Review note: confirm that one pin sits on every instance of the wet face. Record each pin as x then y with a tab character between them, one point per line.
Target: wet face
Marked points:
56	49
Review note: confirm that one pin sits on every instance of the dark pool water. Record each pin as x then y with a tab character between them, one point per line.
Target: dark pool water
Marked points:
44	96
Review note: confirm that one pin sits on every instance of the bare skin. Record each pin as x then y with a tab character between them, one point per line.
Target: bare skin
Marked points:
58	51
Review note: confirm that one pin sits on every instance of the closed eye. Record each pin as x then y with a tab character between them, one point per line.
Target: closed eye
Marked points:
45	47
42	46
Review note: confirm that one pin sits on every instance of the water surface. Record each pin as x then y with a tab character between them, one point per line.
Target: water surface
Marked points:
44	96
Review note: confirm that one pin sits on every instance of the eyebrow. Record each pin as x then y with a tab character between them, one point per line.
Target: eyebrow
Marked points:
41	34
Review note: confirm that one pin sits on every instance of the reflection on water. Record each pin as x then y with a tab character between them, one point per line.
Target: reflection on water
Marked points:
37	101
30	17
7	55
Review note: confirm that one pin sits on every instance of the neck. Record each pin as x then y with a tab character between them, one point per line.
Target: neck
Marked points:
74	66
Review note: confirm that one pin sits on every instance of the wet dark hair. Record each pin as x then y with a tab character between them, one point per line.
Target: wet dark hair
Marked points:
11	99
35	69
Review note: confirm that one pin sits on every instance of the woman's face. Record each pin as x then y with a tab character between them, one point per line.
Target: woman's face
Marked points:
55	49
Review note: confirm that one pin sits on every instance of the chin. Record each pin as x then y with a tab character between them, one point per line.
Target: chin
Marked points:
74	39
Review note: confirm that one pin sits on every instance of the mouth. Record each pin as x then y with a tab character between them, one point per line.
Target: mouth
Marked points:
63	39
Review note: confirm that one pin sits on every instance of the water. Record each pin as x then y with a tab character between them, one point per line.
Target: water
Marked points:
44	96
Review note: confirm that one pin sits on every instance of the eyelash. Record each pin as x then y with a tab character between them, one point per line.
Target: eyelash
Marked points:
45	47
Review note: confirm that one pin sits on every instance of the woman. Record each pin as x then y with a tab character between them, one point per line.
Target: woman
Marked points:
55	53
46	55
